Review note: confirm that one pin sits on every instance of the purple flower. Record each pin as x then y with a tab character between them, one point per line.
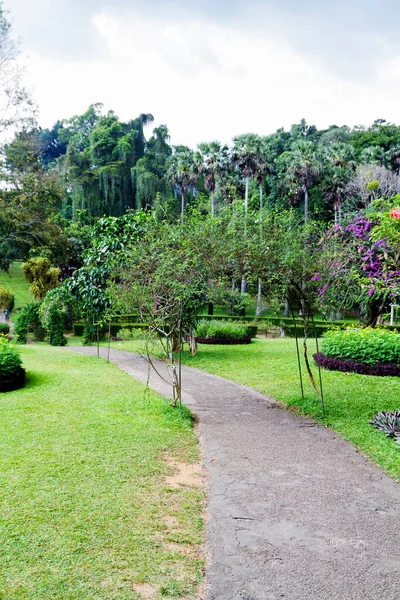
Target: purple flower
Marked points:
371	291
316	277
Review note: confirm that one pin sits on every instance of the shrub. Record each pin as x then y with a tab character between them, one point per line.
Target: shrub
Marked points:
28	320
388	422
368	346
4	329
10	360
220	330
131	334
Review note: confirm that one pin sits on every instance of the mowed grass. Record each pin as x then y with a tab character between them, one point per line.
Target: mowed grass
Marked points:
18	286
351	399
85	512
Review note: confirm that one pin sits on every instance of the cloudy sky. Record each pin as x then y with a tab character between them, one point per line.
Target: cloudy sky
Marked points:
211	69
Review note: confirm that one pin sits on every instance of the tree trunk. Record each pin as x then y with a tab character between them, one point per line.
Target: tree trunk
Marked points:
243	287
261	199
210	309
246	196
286	310
212	205
259	299
182	207
306	206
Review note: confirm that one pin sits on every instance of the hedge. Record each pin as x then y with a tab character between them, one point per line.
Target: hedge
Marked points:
224	341
351	366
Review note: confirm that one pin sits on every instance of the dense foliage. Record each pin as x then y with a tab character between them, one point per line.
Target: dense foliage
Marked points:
369	346
10	360
388	422
220	330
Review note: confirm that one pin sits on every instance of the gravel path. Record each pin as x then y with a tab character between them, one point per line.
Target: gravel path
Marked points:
295	512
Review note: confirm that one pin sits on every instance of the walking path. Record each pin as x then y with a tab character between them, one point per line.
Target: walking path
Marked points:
295	512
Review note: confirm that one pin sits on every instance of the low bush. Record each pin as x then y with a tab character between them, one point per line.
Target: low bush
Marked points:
4	329
12	375
368	346
220	330
351	366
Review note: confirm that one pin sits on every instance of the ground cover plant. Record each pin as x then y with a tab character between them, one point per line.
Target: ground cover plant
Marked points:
85	510
351	400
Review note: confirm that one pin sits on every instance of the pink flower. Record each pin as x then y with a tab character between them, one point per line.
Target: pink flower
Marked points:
371	291
395	213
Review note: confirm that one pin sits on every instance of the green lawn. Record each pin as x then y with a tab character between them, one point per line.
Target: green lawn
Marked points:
15	282
271	367
85	512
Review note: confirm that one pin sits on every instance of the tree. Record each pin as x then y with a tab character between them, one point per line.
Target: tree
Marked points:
16	106
303	170
213	164
41	275
183	174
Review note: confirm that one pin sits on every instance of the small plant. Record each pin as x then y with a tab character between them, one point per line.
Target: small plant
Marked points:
388	422
369	346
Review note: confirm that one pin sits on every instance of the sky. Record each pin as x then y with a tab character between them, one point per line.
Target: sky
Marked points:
213	69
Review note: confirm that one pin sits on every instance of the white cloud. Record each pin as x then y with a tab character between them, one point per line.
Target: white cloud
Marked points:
207	80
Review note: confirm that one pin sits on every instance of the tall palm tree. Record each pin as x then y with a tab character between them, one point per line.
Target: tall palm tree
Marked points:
304	170
214	160
183	174
246	157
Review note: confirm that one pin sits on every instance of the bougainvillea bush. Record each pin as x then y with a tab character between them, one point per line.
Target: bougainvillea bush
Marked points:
367	345
360	262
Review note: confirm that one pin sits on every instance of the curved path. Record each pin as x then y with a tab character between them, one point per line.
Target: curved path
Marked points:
295	512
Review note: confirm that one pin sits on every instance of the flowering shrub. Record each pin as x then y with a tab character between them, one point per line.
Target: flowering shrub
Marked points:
369	346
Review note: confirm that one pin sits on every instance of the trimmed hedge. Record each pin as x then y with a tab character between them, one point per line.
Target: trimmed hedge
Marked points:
78	328
351	366
224	341
363	345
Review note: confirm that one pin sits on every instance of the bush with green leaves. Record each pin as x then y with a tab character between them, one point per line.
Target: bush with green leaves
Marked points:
28	320
366	345
220	329
10	360
52	313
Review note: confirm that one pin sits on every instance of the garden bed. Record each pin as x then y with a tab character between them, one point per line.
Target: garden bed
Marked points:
223	341
8	383
352	366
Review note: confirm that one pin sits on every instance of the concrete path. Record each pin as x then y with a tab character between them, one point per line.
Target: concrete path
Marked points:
295	512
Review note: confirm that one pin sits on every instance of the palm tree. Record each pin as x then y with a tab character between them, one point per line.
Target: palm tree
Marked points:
246	157
340	163
213	164
304	170
182	173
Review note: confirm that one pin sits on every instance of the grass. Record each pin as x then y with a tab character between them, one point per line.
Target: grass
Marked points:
84	509
17	284
271	367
